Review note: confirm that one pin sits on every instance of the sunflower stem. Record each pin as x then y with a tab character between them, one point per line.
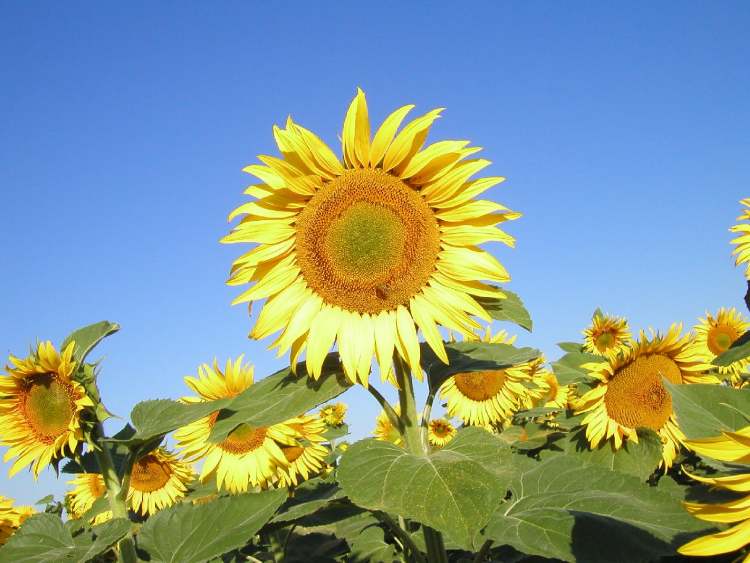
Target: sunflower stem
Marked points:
435	547
409	426
386	406
426	413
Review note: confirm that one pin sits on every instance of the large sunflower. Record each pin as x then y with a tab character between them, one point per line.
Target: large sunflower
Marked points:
742	242
248	456
307	456
714	336
157	481
366	251
40	408
606	335
733	447
491	397
87	488
11	517
630	393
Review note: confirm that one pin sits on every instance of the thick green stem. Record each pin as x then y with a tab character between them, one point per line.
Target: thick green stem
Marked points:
435	547
386	406
426	412
115	493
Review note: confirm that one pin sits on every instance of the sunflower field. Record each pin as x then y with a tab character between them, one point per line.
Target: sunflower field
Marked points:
369	271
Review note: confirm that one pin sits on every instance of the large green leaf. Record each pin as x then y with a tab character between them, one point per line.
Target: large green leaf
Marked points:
707	410
561	508
568	369
44	538
363	534
509	309
308	498
152	419
280	397
188	533
739	350
472	356
88	337
451	490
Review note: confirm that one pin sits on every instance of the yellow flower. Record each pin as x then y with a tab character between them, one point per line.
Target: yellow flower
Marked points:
333	415
248	456
11	517
384	429
367	251
157	481
606	335
307	457
556	396
87	488
742	242
631	395
40	408
733	447
440	432
714	336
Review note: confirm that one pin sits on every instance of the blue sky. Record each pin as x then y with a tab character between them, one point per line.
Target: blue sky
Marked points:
623	129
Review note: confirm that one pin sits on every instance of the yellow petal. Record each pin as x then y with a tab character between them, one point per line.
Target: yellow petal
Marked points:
407	336
409	140
385	133
356	134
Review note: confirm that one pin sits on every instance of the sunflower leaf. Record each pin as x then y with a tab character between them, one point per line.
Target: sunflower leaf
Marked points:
739	350
563	509
309	497
509	309
188	533
707	410
87	337
158	417
453	490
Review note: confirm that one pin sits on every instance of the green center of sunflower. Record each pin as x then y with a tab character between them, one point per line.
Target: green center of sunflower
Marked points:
48	406
367	242
243	439
635	395
149	474
720	338
480	385
604	341
440	428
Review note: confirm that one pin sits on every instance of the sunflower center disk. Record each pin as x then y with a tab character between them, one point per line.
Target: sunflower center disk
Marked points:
604	341
292	452
441	429
367	242
720	339
243	439
48	406
635	396
480	385
149	474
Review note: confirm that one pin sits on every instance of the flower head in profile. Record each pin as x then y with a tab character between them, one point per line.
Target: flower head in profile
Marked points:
742	241
11	518
385	430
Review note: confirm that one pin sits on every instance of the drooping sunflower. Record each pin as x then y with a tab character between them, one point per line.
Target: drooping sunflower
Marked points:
555	396
490	397
714	336
40	408
742	242
368	250
248	456
11	517
384	429
440	432
733	447
333	415
606	335
87	488
630	393
157	481
307	457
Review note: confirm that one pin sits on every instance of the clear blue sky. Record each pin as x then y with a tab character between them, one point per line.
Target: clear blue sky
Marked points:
623	129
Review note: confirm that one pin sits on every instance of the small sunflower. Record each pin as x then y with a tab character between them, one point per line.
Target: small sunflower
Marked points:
631	395
87	488
368	250
490	397
333	415
40	408
157	481
555	396
248	456
742	242
715	335
307	457
606	335
11	517
733	447
384	429
440	432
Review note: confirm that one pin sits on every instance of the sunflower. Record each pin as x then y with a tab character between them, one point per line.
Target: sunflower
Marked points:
248	456
606	335
631	395
742	242
440	432
87	488
157	481
733	447
40	408
368	250
11	517
491	397
384	429
715	334
333	415
556	396
307	456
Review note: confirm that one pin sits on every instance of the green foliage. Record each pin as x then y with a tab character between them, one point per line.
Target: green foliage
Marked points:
308	498
188	533
707	410
569	368
451	490
87	337
739	350
44	538
153	419
509	309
